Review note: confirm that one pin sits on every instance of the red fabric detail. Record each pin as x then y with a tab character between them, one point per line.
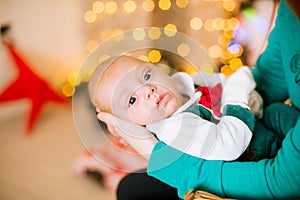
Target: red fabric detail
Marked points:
30	86
211	98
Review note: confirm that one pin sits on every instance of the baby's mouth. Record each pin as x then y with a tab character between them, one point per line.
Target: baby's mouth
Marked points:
163	99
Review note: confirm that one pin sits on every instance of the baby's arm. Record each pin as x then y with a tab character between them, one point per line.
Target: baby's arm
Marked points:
226	140
136	136
193	135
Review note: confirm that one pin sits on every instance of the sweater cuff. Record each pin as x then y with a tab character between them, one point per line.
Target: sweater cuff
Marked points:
241	113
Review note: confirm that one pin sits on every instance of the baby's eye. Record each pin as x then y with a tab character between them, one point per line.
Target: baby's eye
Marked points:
147	76
132	100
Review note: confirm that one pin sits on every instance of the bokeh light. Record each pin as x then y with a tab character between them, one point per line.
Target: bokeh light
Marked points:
235	48
154	56
223	40
225	31
182	3
249	13
229	5
226	70
98	7
144	58
139	34
196	23
117	35
183	50
235	63
170	30
90	16
111	7
91	44
148	5
103	58
233	23
129	6
215	51
218	23
154	33
164	4
208	25
68	90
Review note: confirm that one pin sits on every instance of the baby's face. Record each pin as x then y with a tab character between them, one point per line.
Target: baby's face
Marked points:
141	93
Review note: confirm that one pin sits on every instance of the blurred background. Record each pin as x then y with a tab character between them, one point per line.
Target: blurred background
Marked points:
42	47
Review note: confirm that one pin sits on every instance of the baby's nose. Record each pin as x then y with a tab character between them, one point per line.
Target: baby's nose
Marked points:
149	91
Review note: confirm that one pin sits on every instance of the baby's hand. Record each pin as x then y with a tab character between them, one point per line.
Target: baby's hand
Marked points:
237	87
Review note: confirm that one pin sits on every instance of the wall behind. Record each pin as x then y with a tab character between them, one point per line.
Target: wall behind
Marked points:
49	34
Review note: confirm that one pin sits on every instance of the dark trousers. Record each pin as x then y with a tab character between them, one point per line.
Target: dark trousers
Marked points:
140	186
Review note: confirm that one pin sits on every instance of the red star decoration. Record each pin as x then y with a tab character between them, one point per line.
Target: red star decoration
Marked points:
30	86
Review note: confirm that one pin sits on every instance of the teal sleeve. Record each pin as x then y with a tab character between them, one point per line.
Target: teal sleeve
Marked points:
267	179
241	113
277	70
184	172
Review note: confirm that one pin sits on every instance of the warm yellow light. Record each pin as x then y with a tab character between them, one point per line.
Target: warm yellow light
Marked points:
190	69
207	67
223	41
218	23
143	58
138	34
154	33
164	4
215	51
103	58
90	16
235	63
226	56
229	5
129	6
117	35
74	79
91	44
226	70
182	3
105	33
170	30
86	76
183	49
148	5
98	7
154	56
68	90
229	34
233	23
208	25
111	7
196	23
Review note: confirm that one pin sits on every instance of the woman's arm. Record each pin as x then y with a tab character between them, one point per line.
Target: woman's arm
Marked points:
266	179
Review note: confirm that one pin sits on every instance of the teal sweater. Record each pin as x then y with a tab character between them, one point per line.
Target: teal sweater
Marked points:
277	74
267	179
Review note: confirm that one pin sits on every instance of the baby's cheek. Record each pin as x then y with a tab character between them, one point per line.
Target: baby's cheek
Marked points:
140	118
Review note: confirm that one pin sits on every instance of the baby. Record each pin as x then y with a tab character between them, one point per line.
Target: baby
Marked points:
145	99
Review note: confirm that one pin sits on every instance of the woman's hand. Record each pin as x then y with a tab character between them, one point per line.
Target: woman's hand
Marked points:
137	136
